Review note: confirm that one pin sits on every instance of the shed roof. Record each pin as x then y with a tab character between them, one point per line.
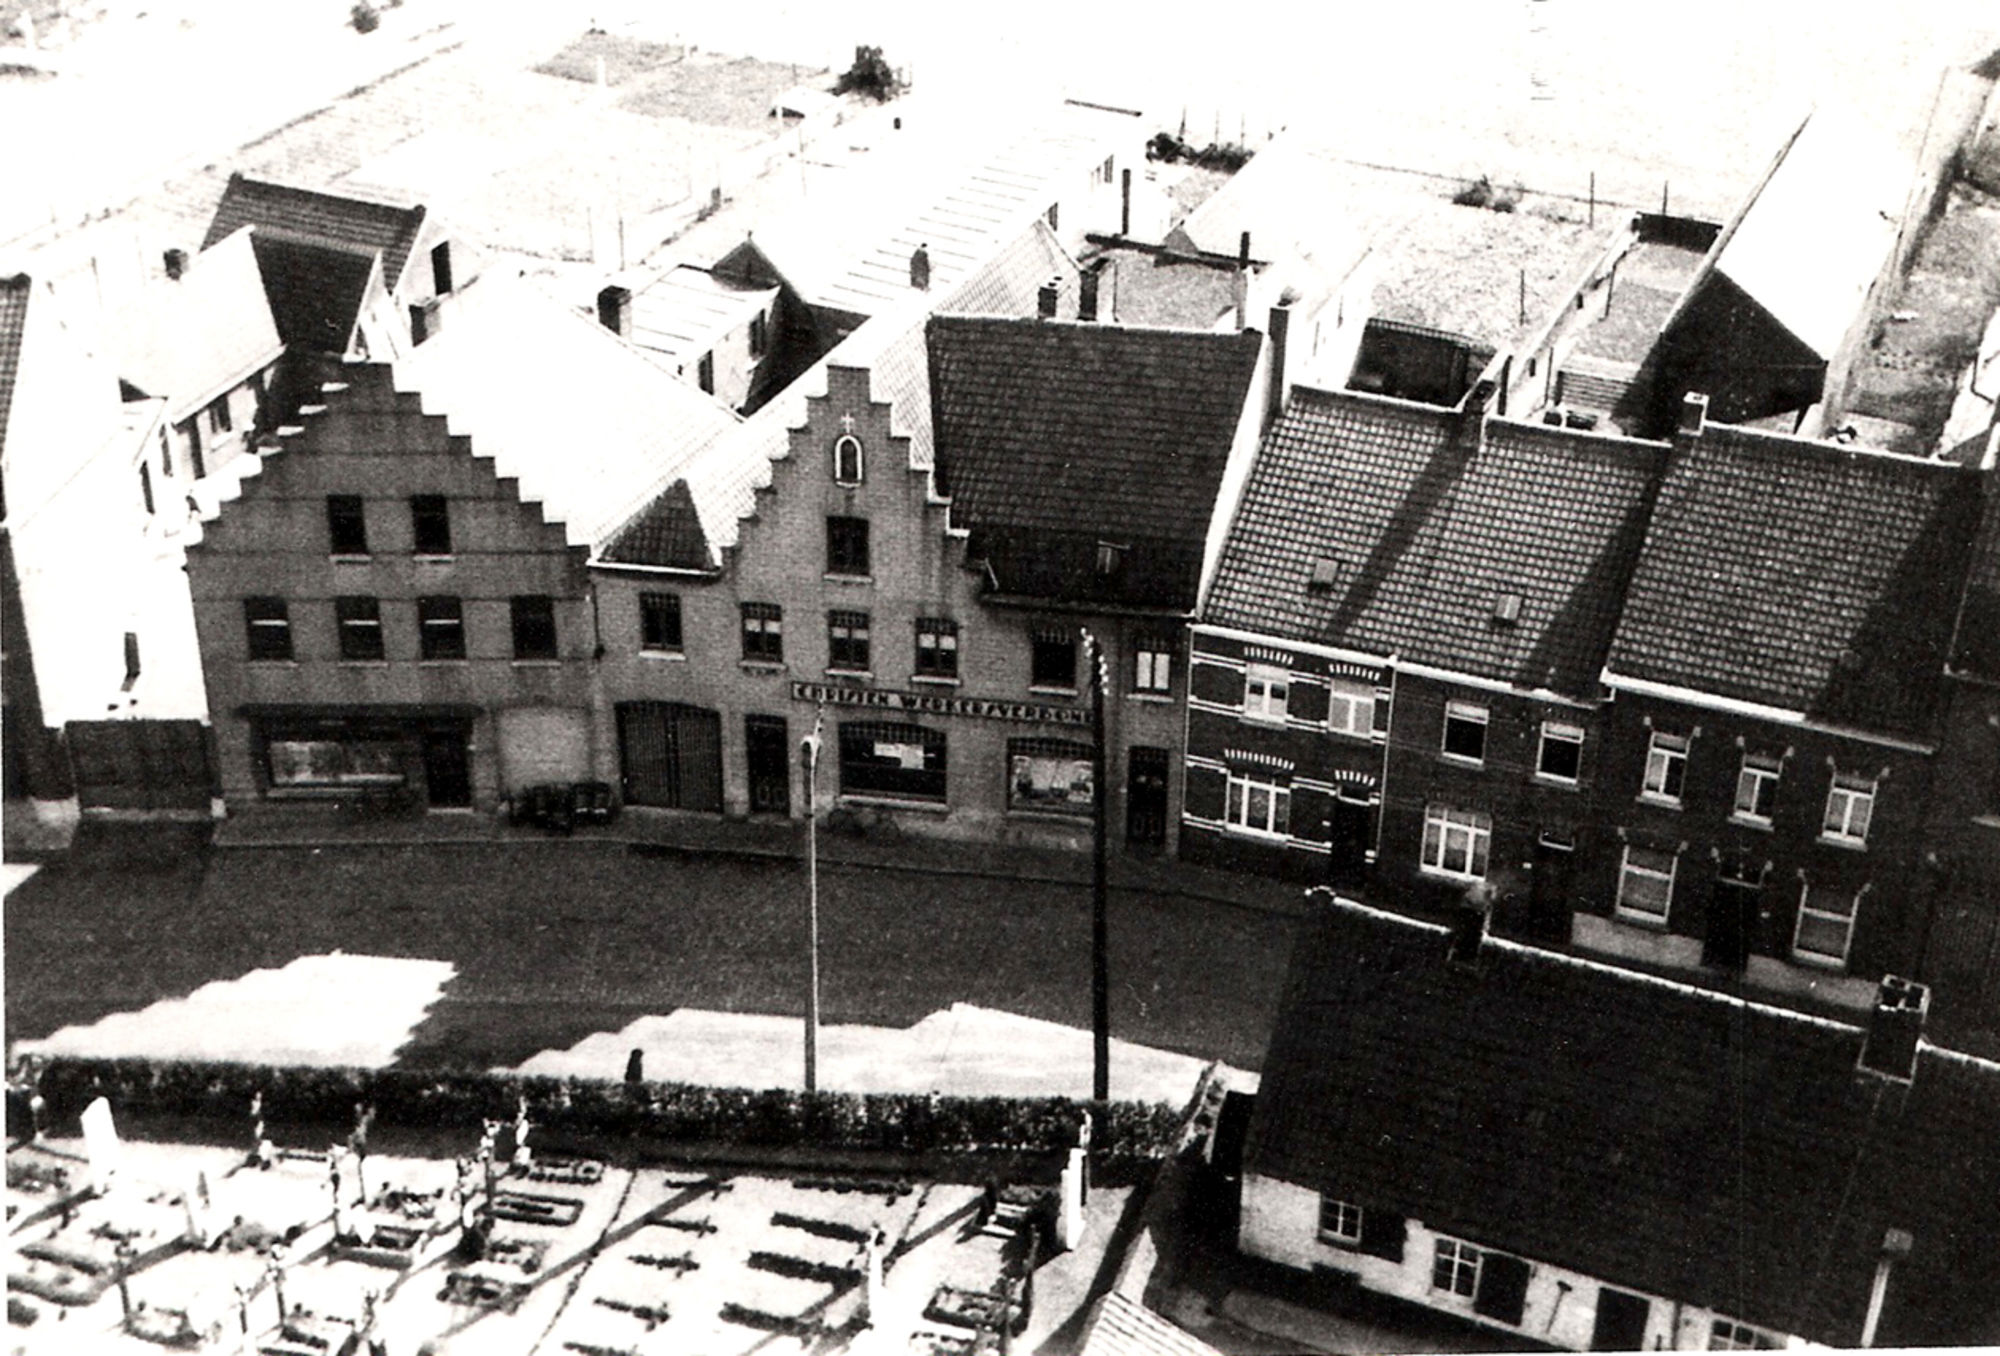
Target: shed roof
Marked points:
188	340
341	220
1677	1141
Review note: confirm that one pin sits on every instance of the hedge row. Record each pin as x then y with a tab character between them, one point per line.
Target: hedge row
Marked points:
894	1122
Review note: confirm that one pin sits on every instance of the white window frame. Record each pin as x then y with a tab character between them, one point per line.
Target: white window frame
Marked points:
1471	831
1346	1226
1852	793
1153	667
1266	693
1465	1261
1757	779
1627	868
1810	957
1465	713
1740	1336
844	447
1239	796
1350	707
1662	753
1558	732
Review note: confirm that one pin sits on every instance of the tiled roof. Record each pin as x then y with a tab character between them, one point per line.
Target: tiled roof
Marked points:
1682	1143
1427	537
592	429
1053	436
188	340
315	291
1801	575
1122	1326
666	532
319	219
13	323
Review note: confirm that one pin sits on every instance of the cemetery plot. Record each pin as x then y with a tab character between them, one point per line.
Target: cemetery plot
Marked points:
532	1209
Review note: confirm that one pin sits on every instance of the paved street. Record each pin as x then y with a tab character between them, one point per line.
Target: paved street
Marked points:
555	940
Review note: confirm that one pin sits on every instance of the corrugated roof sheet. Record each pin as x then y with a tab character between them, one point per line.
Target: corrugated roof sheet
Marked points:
1053	436
686	310
13	325
186	341
317	218
1428	533
1679	1142
316	292
1807	576
590	427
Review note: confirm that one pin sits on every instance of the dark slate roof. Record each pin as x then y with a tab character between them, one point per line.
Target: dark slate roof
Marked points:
301	214
1649	1134
316	291
13	323
1427	532
666	532
1801	575
1052	436
1976	645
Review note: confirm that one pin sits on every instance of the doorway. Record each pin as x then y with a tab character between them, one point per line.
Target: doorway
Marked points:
1621	1321
1349	831
447	774
1146	797
769	752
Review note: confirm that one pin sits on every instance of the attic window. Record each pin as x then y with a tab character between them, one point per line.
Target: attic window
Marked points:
1507	609
1325	572
847	460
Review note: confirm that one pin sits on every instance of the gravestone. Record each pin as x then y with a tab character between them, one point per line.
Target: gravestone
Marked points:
1069	1209
101	1146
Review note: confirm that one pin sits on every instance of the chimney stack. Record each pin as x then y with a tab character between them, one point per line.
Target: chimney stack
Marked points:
1280	384
920	267
177	262
614	310
1090	288
1243	251
425	318
1694	417
1125	205
1045	299
1889	1047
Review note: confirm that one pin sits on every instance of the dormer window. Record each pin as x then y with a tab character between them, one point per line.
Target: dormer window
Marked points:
847	464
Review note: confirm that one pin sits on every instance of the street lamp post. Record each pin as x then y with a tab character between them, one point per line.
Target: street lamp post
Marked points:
1100	965
809	754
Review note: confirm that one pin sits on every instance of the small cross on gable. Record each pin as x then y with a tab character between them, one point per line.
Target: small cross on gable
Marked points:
847	423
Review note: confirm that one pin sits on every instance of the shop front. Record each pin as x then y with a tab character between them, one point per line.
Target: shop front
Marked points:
420	756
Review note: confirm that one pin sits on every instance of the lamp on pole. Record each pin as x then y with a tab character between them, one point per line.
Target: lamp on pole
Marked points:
809	755
1100	967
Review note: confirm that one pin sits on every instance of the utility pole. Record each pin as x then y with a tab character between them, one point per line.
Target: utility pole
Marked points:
1100	966
809	754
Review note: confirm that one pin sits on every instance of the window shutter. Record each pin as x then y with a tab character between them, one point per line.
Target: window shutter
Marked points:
1216	683
1308	702
1204	793
1503	1288
1383	1234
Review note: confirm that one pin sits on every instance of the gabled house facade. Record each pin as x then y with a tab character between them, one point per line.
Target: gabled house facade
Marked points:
1578	1155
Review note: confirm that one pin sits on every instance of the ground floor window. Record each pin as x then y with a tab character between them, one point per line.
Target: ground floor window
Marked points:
1258	807
1339	1221
1646	884
1729	1335
1050	774
1826	924
1456	842
1455	1268
302	763
882	759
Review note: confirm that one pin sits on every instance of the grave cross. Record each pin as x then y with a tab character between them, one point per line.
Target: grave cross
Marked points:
522	1156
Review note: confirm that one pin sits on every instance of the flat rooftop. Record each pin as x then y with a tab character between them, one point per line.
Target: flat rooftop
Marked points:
1649	281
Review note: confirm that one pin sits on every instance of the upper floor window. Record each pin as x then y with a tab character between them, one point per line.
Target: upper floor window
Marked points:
1152	664
1457	842
1455	1268
847	641
1350	706
1561	755
1266	692
430	524
1465	731
360	627
1339	1221
1646	884
346	525
534	626
760	337
660	623
704	373
1756	788
847	459
1052	662
146	486
764	633
219	420
269	628
937	647
1666	767
440	627
1850	806
1726	1334
1826	925
1257	806
166	452
847	546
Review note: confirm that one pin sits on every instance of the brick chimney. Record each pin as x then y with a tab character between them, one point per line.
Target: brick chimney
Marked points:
1472	414
1694	418
920	267
426	317
1045	299
1889	1047
1125	205
1090	299
1280	383
614	310
176	261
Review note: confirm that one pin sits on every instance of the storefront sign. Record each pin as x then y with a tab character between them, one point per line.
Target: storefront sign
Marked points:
930	704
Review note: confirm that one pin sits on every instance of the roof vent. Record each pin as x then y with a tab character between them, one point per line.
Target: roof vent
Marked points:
1325	573
1889	1047
1507	609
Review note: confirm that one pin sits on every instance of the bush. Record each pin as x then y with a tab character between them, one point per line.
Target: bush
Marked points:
1481	193
365	17
871	74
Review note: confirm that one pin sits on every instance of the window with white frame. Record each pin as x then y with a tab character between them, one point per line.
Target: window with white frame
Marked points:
1266	692
1727	1334
1757	787
937	647
1350	706
1455	1268
1850	806
1465	731
1666	767
1457	842
1561	756
1826	925
1339	1221
1646	884
1258	806
1152	664
847	459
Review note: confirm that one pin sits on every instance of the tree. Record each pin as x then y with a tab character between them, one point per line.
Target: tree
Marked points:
871	74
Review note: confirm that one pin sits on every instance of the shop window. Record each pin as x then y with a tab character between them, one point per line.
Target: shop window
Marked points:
440	628
360	621
905	762
534	626
764	633
847	641
1052	661
269	624
346	525
660	623
430	524
305	763
1050	774
937	647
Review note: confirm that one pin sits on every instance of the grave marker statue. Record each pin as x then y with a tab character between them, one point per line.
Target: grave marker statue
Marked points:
1083	1132
101	1146
523	1156
871	1299
1069	1209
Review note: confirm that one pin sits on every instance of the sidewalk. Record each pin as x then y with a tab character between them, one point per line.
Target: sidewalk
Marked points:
670	832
